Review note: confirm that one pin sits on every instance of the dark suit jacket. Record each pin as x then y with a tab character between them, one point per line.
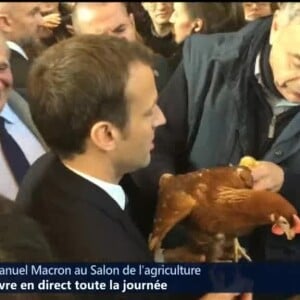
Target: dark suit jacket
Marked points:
80	220
20	68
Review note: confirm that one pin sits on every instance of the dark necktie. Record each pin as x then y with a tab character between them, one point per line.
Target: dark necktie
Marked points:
13	153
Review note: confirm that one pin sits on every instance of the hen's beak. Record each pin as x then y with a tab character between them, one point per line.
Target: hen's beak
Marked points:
290	234
282	227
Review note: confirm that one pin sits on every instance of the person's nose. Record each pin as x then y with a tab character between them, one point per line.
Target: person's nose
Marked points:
161	6
159	117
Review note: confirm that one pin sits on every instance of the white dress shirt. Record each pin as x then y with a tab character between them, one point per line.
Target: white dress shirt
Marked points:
27	141
115	191
13	46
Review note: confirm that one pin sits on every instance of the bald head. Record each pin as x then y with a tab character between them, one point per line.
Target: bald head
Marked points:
104	18
19	21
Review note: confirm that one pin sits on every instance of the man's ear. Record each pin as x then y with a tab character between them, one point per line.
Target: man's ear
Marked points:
274	27
103	135
198	25
280	20
5	23
132	20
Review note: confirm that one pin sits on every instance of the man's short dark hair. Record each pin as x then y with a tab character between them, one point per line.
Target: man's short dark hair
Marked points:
78	82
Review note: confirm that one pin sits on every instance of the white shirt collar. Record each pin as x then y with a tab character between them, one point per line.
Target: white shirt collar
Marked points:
13	46
8	114
115	191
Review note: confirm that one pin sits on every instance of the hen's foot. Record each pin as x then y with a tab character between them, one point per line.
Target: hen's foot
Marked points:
239	251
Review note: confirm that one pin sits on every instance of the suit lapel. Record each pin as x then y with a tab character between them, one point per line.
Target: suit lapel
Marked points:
20	107
77	185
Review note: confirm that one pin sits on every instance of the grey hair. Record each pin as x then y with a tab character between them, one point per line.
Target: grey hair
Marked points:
291	8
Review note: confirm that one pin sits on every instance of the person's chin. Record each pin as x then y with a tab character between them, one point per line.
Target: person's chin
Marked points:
147	160
162	21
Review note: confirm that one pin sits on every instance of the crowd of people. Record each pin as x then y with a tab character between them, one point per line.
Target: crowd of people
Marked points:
99	99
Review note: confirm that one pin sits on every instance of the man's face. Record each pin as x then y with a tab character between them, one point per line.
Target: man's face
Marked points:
183	25
25	21
285	56
159	12
255	10
6	79
107	18
136	139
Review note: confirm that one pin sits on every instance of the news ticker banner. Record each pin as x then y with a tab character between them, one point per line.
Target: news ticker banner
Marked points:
150	278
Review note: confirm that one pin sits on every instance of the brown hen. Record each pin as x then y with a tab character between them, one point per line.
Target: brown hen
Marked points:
218	206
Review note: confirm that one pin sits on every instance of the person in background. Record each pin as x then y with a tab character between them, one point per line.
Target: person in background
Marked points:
56	22
20	142
142	19
202	17
19	23
255	10
113	18
160	37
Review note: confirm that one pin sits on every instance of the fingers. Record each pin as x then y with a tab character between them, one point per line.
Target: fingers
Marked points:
52	20
267	176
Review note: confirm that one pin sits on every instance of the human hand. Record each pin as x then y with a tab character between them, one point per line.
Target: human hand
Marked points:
227	296
267	176
51	21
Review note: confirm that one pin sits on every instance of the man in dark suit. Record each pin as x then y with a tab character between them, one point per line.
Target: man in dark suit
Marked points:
19	23
97	134
100	125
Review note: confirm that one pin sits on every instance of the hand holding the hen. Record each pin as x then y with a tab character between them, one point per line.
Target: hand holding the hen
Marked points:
267	176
